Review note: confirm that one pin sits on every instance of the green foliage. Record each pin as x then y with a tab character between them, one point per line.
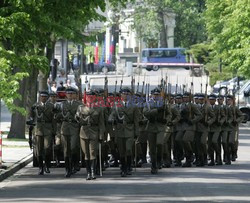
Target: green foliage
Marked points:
28	27
190	23
228	26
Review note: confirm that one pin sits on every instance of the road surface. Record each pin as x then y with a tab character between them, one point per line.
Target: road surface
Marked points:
209	184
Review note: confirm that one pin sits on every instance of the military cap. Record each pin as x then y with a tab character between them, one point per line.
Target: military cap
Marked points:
125	90
212	96
110	94
44	93
99	91
71	90
196	95
139	94
201	96
230	96
220	97
52	94
186	94
178	96
172	96
91	92
156	91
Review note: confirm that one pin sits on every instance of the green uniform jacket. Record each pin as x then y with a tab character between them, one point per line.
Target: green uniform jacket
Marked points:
43	116
208	118
176	117
69	125
220	118
227	126
238	116
190	112
178	125
130	116
91	121
156	116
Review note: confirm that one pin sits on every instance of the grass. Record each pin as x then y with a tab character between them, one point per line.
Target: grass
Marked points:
15	139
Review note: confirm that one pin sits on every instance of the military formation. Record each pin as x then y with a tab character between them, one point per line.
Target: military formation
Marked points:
129	128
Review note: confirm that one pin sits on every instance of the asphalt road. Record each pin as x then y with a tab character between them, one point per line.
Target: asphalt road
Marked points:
208	184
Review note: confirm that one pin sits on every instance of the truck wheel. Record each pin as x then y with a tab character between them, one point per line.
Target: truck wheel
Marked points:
155	68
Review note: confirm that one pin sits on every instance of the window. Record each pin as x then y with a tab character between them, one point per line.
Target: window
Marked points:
156	54
170	53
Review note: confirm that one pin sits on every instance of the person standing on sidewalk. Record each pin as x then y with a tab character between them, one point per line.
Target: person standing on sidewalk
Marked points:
42	113
91	60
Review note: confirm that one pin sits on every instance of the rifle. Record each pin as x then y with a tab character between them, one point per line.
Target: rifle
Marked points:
190	101
143	83
106	87
115	87
206	116
121	82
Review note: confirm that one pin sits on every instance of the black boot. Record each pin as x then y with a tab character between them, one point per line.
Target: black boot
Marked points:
67	167
188	162
154	169
129	167
73	163
57	152
219	161
47	164
211	163
40	163
88	169
123	167
93	168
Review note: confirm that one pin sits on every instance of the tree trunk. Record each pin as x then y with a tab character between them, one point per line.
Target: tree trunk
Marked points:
163	43
43	77
17	128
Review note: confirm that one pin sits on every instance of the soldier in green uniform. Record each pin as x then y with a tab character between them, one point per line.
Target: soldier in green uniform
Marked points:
69	130
125	116
158	113
214	131
141	142
208	118
230	138
169	135
91	119
42	114
178	133
75	141
190	115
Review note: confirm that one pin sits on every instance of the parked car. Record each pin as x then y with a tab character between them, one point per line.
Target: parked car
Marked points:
104	67
228	85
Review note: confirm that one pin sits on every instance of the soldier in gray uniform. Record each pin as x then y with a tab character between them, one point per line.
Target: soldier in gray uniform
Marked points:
158	113
208	118
42	114
190	116
91	119
125	116
69	130
214	131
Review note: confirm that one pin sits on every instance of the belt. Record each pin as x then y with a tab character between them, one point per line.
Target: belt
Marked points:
70	121
44	121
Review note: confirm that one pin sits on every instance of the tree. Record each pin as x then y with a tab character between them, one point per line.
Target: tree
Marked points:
190	23
29	27
229	30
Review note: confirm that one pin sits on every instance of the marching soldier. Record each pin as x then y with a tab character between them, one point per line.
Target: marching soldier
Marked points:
208	118
42	113
169	135
190	116
141	142
69	131
230	138
214	132
91	119
158	115
178	133
126	118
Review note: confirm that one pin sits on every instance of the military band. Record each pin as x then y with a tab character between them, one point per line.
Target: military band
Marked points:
134	129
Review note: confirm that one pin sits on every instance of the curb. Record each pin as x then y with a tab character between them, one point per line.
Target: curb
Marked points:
16	167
